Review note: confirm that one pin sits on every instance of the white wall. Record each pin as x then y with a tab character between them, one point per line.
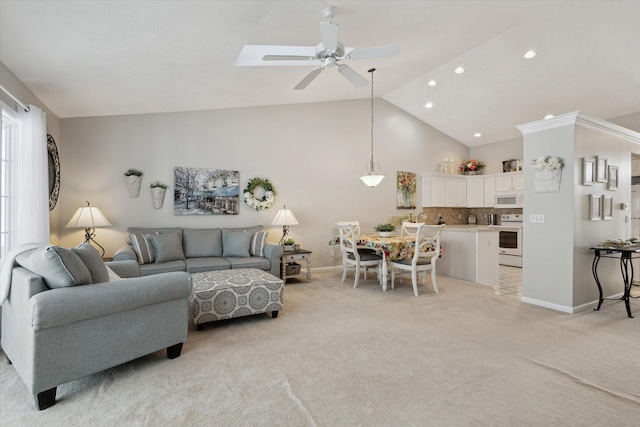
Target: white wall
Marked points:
312	153
557	259
494	154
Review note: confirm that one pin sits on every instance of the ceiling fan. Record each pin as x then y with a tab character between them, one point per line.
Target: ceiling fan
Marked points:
327	54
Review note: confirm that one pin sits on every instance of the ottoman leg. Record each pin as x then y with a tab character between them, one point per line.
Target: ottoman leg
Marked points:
199	326
274	314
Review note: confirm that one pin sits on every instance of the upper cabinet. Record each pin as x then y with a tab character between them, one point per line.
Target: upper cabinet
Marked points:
467	191
511	181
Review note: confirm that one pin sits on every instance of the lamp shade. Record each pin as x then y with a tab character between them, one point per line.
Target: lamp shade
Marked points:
284	217
88	217
372	179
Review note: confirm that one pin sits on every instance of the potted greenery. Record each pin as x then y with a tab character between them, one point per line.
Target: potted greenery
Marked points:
158	191
384	230
288	243
133	178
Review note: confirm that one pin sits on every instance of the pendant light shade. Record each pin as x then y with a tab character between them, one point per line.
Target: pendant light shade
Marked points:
372	177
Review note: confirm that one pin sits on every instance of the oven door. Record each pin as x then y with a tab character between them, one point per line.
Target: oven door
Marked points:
510	241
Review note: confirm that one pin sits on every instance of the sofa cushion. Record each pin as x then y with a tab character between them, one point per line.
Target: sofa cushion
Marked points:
197	265
113	276
94	262
165	267
168	247
59	267
151	230
250	262
236	243
205	242
258	241
142	246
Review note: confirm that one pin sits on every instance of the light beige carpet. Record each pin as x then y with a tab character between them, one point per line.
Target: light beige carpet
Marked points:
338	356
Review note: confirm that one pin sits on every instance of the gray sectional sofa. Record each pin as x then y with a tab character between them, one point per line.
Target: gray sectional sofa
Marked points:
194	250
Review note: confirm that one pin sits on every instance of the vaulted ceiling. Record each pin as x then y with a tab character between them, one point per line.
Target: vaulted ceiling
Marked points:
95	58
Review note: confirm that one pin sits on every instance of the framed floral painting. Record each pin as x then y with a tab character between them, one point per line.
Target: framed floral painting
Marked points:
406	190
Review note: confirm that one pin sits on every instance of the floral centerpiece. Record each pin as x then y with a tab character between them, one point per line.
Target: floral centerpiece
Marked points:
547	171
472	166
384	230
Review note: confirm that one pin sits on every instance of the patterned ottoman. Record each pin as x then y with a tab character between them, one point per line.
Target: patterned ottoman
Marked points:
225	294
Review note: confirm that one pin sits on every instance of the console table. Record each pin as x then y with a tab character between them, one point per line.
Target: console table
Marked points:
625	255
293	256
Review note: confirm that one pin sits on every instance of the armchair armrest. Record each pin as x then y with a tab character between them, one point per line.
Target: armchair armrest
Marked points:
62	306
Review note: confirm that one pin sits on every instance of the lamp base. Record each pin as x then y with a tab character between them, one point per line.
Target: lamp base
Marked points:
89	234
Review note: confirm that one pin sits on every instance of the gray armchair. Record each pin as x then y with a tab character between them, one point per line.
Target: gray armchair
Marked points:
57	335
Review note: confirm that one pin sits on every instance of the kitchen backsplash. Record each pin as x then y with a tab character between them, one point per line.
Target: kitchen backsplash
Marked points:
452	215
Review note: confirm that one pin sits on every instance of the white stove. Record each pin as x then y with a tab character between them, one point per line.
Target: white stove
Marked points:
510	239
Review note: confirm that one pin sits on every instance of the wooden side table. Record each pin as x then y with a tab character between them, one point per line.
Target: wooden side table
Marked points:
293	256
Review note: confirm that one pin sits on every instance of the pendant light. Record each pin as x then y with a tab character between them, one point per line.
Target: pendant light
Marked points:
371	177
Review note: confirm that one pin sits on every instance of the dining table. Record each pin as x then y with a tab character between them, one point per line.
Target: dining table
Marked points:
392	248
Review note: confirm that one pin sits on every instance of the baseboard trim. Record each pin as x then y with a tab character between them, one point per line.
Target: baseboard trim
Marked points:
566	309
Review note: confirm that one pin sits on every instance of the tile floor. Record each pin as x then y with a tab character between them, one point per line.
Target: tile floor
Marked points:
510	283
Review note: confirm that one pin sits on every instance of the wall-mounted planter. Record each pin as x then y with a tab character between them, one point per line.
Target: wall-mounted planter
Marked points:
157	196
133	185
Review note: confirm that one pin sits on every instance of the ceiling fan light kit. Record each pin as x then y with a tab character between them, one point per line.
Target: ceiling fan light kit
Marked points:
328	54
372	177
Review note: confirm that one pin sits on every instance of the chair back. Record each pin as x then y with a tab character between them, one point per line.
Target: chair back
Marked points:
355	224
347	238
409	228
428	241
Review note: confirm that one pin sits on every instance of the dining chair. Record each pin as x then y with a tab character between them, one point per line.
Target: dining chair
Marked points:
409	228
353	256
425	257
361	249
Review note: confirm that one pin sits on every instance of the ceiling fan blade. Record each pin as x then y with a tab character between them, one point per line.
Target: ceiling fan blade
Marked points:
288	58
352	76
375	52
309	78
329	35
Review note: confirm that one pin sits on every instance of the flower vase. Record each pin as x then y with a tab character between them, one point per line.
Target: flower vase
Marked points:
157	196
547	181
384	233
471	173
133	185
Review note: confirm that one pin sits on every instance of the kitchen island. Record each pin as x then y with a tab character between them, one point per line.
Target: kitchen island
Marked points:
470	253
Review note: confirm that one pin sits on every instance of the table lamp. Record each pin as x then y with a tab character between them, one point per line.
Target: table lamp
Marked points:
89	218
285	218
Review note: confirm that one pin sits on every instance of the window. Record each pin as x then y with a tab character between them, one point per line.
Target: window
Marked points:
8	142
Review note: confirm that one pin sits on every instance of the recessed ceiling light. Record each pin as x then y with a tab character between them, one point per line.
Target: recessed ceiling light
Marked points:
529	54
432	83
459	70
477	134
429	105
548	116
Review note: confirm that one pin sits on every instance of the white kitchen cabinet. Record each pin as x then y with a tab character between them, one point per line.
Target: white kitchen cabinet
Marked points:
475	191
461	192
433	190
635	167
489	191
470	253
509	181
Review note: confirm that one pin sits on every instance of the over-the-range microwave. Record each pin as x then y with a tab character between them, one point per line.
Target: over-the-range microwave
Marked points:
508	200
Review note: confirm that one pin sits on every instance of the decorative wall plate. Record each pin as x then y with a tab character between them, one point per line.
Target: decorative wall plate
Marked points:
54	172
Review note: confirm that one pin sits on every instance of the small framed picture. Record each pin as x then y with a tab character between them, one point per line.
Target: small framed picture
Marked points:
589	171
612	183
607	208
595	207
601	169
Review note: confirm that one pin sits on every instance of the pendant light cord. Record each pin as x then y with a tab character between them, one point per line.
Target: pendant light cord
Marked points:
371	165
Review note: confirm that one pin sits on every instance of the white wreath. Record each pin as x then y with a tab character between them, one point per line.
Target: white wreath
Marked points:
266	201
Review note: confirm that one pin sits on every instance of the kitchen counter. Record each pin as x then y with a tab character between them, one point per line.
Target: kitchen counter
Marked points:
470	253
468	228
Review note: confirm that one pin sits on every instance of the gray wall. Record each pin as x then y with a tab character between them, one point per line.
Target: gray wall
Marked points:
312	153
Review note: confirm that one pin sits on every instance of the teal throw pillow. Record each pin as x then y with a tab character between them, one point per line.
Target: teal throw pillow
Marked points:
236	243
94	262
168	247
59	267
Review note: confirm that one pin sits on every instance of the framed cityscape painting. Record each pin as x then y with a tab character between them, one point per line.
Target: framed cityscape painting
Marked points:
406	190
200	191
